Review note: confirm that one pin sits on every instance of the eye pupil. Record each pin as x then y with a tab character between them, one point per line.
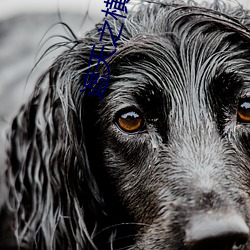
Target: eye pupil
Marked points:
243	113
130	121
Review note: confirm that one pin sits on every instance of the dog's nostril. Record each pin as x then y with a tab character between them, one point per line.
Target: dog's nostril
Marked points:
240	242
217	232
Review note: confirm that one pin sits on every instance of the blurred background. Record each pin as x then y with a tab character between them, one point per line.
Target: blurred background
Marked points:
25	26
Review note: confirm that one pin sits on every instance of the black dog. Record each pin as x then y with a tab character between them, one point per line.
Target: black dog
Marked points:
162	162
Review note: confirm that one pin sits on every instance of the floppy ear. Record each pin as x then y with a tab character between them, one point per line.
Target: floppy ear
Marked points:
51	186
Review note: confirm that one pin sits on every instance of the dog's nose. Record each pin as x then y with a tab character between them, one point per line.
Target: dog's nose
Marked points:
217	232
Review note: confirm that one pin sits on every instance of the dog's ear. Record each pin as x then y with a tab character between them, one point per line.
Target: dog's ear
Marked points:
53	197
51	186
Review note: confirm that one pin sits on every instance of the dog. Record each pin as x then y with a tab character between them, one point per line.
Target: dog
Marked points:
161	161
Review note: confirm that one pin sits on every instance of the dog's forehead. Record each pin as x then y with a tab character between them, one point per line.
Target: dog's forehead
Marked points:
186	54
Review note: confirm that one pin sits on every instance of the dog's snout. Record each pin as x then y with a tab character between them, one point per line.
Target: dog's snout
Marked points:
217	232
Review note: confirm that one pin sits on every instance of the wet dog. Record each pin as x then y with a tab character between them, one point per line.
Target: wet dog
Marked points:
161	161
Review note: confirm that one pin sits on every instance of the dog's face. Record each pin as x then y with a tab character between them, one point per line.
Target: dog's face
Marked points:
161	162
174	133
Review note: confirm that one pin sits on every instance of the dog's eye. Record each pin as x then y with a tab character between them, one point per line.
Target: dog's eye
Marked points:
243	113
130	121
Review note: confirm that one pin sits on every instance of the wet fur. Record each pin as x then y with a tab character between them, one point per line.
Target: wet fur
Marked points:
78	182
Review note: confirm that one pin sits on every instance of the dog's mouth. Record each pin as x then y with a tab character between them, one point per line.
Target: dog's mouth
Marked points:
222	232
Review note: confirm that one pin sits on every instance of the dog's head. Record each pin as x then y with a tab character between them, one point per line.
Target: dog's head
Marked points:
163	159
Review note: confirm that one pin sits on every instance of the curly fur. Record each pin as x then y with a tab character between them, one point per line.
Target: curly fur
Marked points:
76	181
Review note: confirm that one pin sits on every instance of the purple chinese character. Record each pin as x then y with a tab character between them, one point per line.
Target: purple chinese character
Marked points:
110	31
113	13
92	80
117	5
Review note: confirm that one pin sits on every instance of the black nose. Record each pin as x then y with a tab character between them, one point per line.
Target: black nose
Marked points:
217	232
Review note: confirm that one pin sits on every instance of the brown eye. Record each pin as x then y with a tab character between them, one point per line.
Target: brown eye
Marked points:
130	121
243	113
